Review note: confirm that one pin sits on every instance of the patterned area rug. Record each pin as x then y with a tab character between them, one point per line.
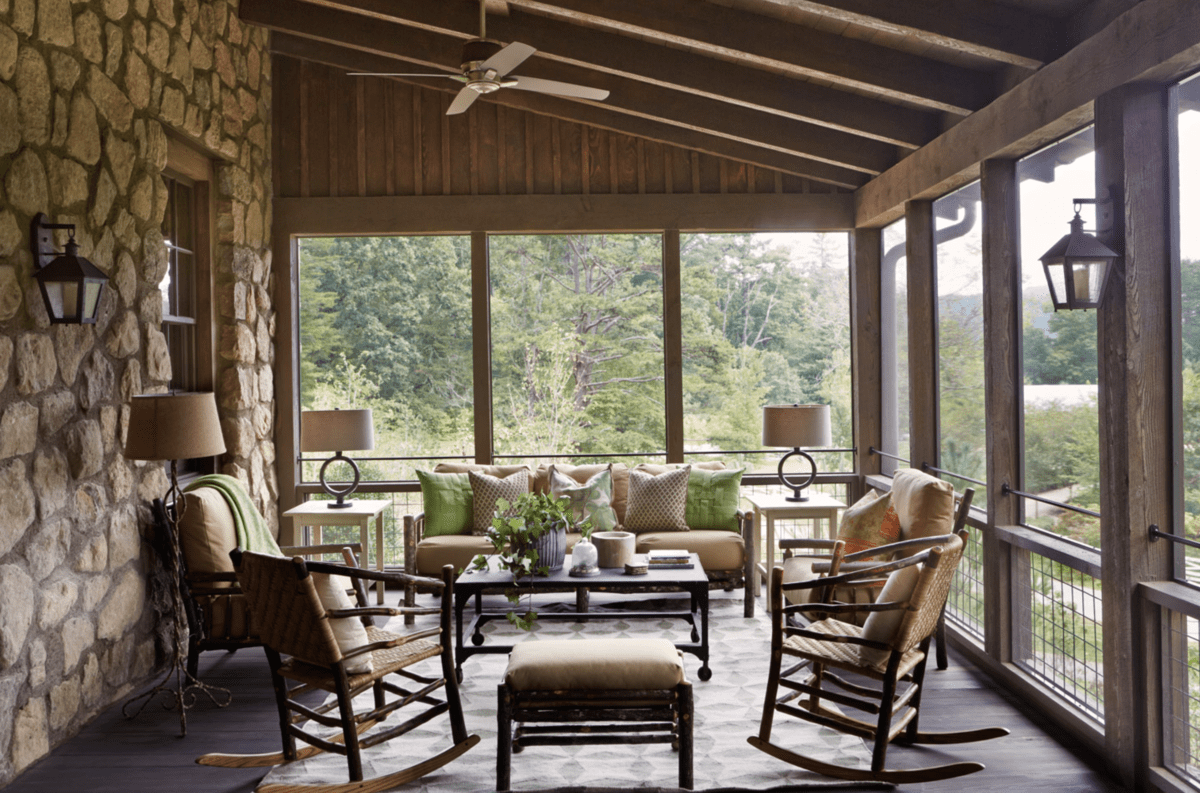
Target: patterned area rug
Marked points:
728	708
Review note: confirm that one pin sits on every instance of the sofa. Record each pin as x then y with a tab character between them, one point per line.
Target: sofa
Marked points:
726	555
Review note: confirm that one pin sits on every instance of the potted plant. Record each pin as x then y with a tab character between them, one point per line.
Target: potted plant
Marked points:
529	537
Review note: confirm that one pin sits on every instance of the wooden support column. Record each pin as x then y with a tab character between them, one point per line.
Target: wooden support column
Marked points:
286	261
673	345
1134	327
1002	325
866	254
481	346
922	333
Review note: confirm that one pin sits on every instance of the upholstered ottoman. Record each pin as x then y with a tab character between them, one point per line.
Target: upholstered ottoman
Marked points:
594	691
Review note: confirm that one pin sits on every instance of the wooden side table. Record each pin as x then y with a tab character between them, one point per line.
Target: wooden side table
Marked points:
776	507
316	514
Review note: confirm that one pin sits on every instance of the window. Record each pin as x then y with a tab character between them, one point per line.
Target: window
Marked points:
894	331
385	323
1059	364
959	256
577	346
1188	167
766	320
178	286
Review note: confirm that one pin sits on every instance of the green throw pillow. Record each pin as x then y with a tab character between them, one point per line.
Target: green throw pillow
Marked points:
449	503
591	500
712	498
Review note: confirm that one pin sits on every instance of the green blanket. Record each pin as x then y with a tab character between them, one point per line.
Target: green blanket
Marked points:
252	531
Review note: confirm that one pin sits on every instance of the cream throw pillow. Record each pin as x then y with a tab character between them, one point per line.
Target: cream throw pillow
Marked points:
881	626
487	490
657	503
348	631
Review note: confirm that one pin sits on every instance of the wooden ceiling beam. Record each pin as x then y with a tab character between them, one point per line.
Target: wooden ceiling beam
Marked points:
593	115
701	114
752	38
1006	34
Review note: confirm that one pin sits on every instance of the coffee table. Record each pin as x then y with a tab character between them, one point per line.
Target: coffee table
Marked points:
471	585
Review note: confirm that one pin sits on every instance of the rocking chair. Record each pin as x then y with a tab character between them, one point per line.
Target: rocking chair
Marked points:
286	608
891	647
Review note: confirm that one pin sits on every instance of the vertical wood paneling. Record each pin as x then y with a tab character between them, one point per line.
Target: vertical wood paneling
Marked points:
709	180
374	159
543	155
317	164
446	135
571	145
473	144
431	142
528	154
654	172
556	155
360	140
287	136
1002	328
458	150
627	164
348	129
485	158
614	169
922	334
641	166
694	170
501	153
389	138
597	142
417	113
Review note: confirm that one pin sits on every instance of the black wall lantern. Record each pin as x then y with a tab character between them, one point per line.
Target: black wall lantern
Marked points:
1078	266
71	285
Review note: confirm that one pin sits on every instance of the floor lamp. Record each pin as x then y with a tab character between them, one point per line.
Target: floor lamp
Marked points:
174	427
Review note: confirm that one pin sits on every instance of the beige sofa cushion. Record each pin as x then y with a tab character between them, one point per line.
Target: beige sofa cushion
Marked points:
582	473
924	504
458	550
718	549
498	471
596	664
207	533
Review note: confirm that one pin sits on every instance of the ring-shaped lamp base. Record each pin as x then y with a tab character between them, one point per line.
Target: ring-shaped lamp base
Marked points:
340	495
797	486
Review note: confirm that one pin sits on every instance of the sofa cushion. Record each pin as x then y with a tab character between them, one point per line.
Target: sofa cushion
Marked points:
487	490
713	498
207	533
499	471
449	549
657	503
590	501
869	522
448	503
596	664
582	473
924	504
718	549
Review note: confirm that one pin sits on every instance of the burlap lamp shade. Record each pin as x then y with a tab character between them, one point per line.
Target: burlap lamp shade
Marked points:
174	427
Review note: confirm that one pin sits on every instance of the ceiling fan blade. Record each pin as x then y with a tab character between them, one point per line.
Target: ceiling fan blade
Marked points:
555	87
509	58
461	102
400	74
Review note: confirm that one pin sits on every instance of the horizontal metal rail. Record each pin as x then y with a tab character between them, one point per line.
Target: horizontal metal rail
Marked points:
1156	533
873	450
1006	490
772	451
934	468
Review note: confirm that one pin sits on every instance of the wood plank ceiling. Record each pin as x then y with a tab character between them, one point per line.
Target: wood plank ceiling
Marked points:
836	91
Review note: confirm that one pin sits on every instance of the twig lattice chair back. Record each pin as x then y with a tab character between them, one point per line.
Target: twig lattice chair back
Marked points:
305	655
891	648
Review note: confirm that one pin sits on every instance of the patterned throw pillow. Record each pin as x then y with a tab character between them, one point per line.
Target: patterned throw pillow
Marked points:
658	503
488	489
870	522
590	500
712	499
449	507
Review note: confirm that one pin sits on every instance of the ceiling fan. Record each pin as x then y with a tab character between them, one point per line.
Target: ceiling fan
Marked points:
485	67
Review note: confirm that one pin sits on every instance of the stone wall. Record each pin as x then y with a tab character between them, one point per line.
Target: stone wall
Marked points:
89	91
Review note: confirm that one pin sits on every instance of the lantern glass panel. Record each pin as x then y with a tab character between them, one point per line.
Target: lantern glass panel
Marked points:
1088	276
91	296
1058	283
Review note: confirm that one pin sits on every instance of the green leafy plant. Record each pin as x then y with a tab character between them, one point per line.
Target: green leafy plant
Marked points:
515	529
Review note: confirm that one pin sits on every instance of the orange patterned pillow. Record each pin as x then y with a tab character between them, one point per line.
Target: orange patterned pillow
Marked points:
869	522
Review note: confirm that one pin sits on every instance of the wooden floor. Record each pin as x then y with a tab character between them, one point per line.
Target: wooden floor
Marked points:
146	754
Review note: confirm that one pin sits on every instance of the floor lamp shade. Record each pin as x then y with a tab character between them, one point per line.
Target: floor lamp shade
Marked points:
174	427
337	431
795	426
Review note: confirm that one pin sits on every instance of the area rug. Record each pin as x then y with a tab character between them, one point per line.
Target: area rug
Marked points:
728	708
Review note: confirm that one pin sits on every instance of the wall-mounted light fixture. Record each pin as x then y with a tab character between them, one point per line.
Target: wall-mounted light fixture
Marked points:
71	285
1078	266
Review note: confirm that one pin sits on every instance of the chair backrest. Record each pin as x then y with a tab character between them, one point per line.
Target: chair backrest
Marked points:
929	595
284	607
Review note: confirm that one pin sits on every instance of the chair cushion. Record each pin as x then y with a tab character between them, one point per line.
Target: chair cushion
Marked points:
349	632
718	549
881	626
591	500
924	503
487	490
713	498
582	473
207	533
595	664
448	503
869	522
456	550
657	503
843	655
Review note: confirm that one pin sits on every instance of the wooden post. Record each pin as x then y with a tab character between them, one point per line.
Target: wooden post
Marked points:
481	346
673	346
866	345
922	333
1002	326
286	263
1134	324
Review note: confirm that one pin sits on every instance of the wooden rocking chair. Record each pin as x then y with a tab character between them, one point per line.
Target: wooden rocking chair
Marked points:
881	650
291	621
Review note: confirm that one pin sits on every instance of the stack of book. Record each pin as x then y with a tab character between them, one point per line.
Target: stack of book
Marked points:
666	559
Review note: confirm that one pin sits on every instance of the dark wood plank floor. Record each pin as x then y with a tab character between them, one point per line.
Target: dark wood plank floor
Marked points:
146	754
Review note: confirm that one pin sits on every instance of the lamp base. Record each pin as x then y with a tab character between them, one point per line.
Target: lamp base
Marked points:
798	497
797	486
340	495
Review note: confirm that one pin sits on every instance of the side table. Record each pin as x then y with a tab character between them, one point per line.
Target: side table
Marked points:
774	507
316	514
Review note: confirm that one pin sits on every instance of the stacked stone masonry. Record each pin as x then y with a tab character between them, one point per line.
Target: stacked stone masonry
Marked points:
90	90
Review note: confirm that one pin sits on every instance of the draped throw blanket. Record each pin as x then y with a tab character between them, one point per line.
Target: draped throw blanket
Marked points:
252	531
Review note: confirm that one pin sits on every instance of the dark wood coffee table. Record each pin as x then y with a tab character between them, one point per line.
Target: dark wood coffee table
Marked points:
472	584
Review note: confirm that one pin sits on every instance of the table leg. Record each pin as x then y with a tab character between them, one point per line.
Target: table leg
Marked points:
460	601
705	672
759	571
770	557
379	551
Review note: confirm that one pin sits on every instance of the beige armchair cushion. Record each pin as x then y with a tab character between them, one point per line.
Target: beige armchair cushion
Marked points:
718	549
349	632
596	664
881	626
924	504
207	533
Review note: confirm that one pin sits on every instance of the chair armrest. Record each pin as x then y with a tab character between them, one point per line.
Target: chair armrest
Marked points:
859	577
359	573
792	543
388	643
211	578
920	543
379	611
414	531
313	550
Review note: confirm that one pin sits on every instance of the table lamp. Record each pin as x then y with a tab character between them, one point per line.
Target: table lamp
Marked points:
337	431
175	427
796	426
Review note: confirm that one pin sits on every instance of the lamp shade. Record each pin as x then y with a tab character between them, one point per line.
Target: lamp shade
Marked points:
174	427
795	426
336	430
